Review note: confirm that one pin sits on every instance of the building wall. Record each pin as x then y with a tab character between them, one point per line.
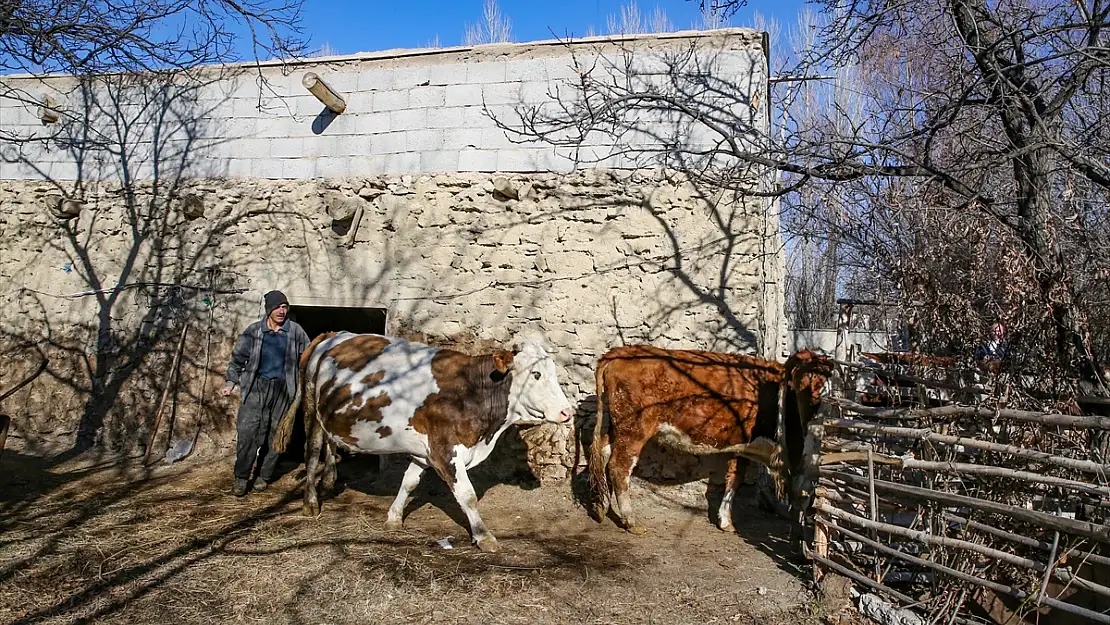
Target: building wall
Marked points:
415	111
825	340
462	246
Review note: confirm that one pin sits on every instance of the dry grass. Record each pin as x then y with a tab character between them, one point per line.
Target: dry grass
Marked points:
114	543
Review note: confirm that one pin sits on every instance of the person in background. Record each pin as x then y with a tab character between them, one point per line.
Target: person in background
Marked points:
996	347
264	367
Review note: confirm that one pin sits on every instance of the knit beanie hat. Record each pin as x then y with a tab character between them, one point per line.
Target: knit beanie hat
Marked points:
274	299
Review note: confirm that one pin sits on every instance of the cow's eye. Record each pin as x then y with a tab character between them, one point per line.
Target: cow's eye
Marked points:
536	374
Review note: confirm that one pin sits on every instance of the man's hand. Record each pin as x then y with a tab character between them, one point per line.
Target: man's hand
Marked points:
226	390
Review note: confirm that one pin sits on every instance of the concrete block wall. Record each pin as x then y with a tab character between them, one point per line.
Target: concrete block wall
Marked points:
407	111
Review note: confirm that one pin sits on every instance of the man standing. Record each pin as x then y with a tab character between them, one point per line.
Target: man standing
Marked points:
264	366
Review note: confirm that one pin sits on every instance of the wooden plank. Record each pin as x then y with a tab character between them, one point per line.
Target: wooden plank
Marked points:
324	93
964	468
42	367
1086	529
929	564
929	539
995	586
926	434
854	576
1042	418
1089	556
5	422
171	380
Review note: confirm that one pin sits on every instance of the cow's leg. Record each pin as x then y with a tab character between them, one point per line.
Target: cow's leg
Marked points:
624	455
468	501
394	518
327	484
734	473
312	459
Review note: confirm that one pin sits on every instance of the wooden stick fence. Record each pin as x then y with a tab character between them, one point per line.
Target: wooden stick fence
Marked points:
924	505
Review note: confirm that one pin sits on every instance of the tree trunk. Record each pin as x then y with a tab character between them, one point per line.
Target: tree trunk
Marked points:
1070	334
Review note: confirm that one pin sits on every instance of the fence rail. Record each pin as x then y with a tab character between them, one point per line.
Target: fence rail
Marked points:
939	507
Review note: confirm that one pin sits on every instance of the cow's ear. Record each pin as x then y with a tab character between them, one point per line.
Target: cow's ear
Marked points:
502	361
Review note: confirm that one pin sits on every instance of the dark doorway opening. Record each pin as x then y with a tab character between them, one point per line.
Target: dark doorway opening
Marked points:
317	320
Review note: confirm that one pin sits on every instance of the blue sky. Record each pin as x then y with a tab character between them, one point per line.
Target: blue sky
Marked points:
363	25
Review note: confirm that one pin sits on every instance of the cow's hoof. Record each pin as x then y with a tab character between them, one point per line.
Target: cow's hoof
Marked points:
637	529
311	509
725	527
489	545
598	512
394	525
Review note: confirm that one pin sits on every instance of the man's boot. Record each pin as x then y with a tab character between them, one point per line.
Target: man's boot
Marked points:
240	488
260	485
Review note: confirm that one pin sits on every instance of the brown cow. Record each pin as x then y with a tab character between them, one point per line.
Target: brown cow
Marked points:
803	384
806	373
698	402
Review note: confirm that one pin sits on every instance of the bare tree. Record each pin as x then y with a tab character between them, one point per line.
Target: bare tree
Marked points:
630	20
325	50
89	37
969	168
711	17
810	271
495	27
134	123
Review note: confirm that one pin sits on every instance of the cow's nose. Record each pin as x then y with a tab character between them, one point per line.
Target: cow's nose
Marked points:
566	415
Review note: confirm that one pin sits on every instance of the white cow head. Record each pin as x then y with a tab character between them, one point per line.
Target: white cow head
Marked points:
535	394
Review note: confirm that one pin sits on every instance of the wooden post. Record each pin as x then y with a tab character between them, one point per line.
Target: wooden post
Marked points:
355	221
42	367
166	391
5	421
873	504
812	474
48	111
324	93
1048	568
841	352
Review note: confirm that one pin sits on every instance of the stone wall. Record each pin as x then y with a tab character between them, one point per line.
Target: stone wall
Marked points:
587	260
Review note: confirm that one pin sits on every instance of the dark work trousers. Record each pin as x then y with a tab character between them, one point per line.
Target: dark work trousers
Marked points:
259	416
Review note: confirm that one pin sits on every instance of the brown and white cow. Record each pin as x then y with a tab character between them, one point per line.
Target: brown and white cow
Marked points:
805	380
699	402
368	393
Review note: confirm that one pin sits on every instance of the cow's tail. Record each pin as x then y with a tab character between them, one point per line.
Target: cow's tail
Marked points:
599	486
285	428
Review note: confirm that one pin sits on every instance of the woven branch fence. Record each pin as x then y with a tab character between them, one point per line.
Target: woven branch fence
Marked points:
948	509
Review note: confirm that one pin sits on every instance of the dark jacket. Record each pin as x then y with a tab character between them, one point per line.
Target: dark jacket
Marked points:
246	357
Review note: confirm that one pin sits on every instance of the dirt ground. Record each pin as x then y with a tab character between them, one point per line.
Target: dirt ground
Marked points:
114	543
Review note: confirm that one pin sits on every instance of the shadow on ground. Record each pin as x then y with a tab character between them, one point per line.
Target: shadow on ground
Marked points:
117	542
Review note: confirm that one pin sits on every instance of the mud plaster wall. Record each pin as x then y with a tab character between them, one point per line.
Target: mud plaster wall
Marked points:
586	260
